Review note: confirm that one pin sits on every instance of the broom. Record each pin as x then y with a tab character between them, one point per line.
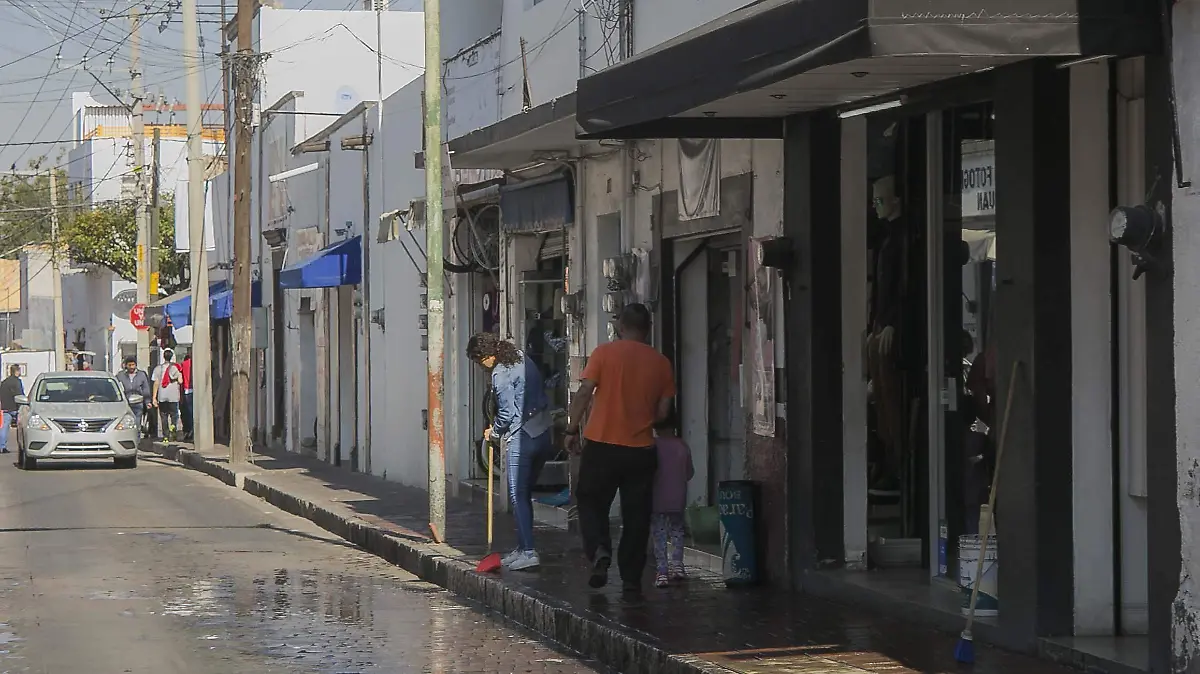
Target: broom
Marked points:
964	652
491	561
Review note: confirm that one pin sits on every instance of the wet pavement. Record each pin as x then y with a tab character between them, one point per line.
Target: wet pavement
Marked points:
756	631
162	569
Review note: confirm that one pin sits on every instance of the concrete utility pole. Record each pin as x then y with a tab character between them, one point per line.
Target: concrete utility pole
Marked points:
244	70
202	405
60	347
140	191
433	269
155	189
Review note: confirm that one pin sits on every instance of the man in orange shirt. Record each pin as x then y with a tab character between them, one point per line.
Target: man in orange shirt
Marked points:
628	386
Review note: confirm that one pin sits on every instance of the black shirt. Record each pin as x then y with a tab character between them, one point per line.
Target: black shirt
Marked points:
10	388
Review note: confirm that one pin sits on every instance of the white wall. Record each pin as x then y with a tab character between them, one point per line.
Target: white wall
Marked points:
551	33
302	42
1186	241
465	22
658	21
398	365
471	97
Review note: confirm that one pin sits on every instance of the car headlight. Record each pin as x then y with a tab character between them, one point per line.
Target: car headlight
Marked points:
127	423
37	423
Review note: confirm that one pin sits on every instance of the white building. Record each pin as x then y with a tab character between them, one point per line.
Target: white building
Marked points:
100	169
310	399
510	105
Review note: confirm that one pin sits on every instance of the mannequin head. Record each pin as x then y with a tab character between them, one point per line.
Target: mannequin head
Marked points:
887	203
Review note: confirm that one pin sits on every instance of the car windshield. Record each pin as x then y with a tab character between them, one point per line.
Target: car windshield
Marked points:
78	390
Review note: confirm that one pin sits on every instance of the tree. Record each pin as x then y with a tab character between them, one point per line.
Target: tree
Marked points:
25	203
106	235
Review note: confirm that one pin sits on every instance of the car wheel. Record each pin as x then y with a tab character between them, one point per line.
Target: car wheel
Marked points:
27	462
125	461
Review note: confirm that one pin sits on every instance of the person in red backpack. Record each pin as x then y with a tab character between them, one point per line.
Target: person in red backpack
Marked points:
185	403
168	390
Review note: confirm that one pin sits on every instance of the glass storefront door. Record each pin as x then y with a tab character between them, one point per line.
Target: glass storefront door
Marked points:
930	255
961	282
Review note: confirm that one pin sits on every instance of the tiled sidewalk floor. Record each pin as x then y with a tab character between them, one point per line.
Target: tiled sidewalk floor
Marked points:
705	624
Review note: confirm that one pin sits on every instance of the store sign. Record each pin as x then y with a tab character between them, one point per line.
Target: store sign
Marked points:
979	184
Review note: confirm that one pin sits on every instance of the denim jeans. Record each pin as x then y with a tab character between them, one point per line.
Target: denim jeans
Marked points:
6	419
526	457
138	412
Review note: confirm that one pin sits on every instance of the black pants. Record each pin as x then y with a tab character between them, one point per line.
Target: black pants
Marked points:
604	470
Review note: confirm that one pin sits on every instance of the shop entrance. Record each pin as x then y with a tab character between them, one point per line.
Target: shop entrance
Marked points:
922	373
708	368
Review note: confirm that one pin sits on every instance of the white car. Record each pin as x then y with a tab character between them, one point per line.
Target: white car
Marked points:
76	415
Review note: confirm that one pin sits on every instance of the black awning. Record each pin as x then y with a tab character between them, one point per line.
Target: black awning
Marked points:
539	205
769	41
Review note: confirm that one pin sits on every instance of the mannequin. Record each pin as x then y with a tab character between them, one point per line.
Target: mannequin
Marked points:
887	291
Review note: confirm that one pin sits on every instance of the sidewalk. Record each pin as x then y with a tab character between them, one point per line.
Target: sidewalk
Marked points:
700	627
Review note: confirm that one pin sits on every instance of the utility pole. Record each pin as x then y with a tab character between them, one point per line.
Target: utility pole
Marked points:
202	406
155	189
60	348
433	269
144	256
244	69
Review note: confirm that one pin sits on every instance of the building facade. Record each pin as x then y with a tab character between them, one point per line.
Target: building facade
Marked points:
861	227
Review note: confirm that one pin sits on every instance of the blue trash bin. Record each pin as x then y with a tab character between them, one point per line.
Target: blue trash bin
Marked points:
737	508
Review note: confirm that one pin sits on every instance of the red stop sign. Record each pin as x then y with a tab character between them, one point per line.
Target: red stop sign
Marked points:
137	316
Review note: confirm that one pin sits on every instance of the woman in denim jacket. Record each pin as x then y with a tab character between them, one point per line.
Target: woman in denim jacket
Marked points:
522	425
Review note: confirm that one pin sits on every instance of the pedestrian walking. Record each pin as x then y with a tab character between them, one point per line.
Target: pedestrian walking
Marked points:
626	388
167	389
10	388
522	427
185	404
675	468
134	381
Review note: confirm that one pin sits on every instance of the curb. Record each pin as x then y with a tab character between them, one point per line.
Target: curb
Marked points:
592	636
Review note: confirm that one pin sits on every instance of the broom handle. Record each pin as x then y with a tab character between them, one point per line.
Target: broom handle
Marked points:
987	529
489	497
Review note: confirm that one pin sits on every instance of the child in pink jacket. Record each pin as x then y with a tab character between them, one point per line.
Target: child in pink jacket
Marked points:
670	497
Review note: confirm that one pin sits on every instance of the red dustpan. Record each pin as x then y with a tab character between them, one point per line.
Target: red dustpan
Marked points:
491	562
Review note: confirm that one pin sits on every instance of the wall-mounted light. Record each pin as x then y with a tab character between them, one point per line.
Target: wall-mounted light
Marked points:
1137	228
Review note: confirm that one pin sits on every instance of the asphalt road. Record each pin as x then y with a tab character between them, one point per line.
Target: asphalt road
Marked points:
161	569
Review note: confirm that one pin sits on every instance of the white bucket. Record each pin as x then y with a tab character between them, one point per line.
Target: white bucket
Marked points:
988	603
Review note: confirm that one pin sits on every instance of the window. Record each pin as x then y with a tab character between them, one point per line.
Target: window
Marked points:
78	390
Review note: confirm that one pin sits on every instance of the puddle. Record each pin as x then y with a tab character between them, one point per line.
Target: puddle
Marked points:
337	624
158	536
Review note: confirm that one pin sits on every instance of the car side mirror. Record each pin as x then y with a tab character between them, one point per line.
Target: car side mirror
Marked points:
21	400
134	398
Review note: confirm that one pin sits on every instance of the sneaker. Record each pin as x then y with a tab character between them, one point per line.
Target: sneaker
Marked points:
677	572
631	587
599	577
526	559
511	557
661	580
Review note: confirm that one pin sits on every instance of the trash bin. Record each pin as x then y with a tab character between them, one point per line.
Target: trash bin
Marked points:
737	509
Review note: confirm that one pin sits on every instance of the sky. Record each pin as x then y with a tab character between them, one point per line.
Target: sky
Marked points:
51	48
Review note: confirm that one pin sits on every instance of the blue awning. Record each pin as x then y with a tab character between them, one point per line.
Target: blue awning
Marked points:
221	305
330	267
178	307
